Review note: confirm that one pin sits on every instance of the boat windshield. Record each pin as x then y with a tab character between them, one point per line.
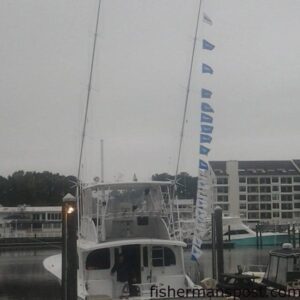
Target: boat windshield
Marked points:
138	200
124	200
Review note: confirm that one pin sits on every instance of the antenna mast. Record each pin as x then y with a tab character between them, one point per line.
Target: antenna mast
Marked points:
187	91
78	191
89	91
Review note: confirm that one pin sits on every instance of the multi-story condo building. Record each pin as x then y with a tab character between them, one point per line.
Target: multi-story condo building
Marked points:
258	191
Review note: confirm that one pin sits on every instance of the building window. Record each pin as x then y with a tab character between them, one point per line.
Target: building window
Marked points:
252	189
265	180
286	198
286	189
275	205
287	180
222	180
275	197
242	188
286	215
242	179
265	198
297	197
253	206
265	189
36	216
252	198
275	188
275	179
265	206
276	214
296	188
265	215
222	198
222	189
296	179
296	205
252	180
286	206
243	197
98	260
243	206
253	215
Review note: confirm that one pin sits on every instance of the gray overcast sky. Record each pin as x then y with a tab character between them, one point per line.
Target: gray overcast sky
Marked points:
141	70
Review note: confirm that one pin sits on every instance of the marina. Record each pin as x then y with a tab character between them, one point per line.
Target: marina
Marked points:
194	198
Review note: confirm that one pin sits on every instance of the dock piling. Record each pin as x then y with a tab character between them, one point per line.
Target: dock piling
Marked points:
219	241
213	246
69	248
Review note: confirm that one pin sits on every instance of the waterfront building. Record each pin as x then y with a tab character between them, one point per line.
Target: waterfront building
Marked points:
258	191
30	221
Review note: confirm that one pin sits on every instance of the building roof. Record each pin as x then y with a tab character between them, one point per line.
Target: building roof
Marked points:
260	167
29	209
219	167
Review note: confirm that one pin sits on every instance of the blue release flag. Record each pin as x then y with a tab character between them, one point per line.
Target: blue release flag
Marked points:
207	69
206	93
204	150
206	107
207	128
206	118
207	45
203	165
207	19
205	138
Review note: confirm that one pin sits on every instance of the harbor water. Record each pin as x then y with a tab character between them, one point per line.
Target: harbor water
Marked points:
22	275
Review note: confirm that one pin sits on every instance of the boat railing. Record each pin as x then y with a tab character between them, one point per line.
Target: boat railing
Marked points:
130	214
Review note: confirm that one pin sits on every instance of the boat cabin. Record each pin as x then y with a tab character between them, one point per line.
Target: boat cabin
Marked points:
147	263
283	270
127	210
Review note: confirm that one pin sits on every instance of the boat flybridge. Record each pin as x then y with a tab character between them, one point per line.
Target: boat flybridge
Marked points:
128	243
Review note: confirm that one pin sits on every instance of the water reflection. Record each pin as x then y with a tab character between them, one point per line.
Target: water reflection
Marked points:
22	276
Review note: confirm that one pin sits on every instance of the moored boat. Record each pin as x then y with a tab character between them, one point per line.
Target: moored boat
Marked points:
128	246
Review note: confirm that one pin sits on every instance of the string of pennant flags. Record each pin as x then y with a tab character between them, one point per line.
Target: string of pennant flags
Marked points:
206	130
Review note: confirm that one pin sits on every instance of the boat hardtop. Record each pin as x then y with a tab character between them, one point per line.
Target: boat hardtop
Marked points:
90	246
126	184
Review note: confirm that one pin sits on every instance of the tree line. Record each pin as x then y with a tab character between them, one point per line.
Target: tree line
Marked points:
48	189
35	188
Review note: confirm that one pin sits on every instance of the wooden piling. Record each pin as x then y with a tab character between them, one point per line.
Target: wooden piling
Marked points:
69	248
219	241
260	236
294	236
256	231
213	246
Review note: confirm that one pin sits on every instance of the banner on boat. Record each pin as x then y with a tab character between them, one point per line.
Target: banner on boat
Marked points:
206	130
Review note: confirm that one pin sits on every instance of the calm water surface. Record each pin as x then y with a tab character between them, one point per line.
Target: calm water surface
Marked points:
22	275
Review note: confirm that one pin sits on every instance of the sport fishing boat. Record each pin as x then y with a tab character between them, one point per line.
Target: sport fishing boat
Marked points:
241	235
127	246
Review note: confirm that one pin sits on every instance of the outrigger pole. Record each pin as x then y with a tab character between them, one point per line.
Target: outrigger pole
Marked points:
78	191
187	92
